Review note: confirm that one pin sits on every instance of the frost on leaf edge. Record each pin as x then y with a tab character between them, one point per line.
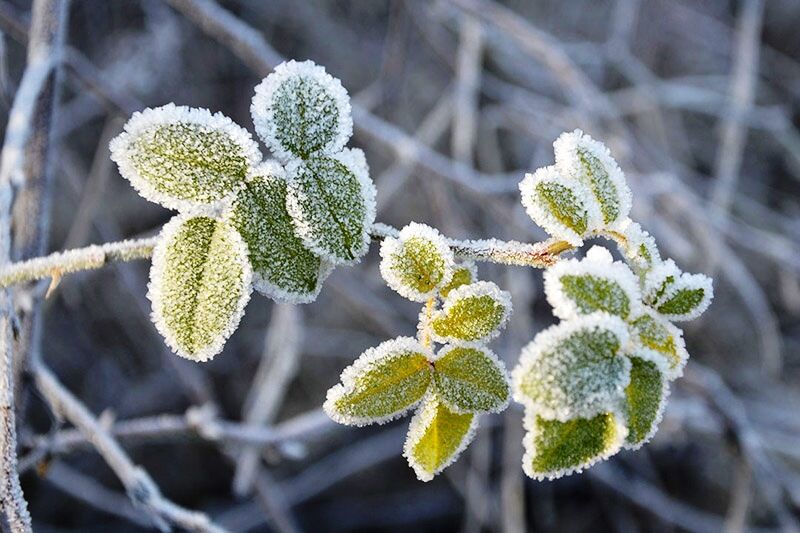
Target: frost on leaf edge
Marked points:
263	116
493	357
350	374
142	121
168	231
477	289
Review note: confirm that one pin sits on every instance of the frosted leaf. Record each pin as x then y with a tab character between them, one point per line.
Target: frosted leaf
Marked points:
382	384
183	158
640	249
645	399
595	283
283	268
300	110
474	312
575	368
436	437
554	449
581	158
417	263
687	298
200	282
565	209
661	342
332	202
463	274
657	280
471	379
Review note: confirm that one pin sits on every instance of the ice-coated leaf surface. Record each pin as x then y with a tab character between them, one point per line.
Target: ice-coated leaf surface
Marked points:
645	397
417	263
554	449
574	369
565	209
463	274
687	298
594	283
283	268
383	383
471	379
436	437
581	158
300	110
473	312
182	157
660	342
332	202
199	284
640	248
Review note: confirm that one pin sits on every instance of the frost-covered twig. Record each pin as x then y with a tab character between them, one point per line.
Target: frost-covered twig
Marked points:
140	487
89	258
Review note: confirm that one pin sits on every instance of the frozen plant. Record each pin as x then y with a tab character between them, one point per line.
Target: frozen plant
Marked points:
591	385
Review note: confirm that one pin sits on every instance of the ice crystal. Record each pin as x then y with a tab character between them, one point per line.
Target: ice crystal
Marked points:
300	110
183	158
640	248
418	263
661	342
200	282
471	379
463	274
677	295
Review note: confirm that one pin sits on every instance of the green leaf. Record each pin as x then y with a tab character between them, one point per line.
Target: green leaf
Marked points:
182	157
199	284
687	298
416	263
663	341
574	369
284	269
383	383
332	203
464	274
472	312
554	449
645	398
589	162
436	437
471	380
591	293
556	205
300	110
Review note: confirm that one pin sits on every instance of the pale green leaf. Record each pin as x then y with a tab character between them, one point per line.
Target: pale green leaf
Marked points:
554	449
473	312
436	437
332	202
199	284
574	369
645	397
471	379
662	341
463	274
300	110
417	263
557	205
383	383
283	268
182	157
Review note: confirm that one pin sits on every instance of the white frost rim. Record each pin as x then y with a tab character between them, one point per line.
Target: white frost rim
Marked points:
474	290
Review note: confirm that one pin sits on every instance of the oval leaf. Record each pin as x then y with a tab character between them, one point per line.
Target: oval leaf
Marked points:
645	397
474	312
383	383
563	208
554	449
661	342
182	157
199	284
463	274
574	369
687	298
581	158
595	283
300	110
417	263
436	437
471	380
332	203
283	268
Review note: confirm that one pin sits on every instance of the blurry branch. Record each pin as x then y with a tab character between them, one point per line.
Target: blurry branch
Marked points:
140	487
467	89
249	45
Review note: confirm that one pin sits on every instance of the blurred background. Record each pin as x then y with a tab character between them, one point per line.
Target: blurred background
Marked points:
453	102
